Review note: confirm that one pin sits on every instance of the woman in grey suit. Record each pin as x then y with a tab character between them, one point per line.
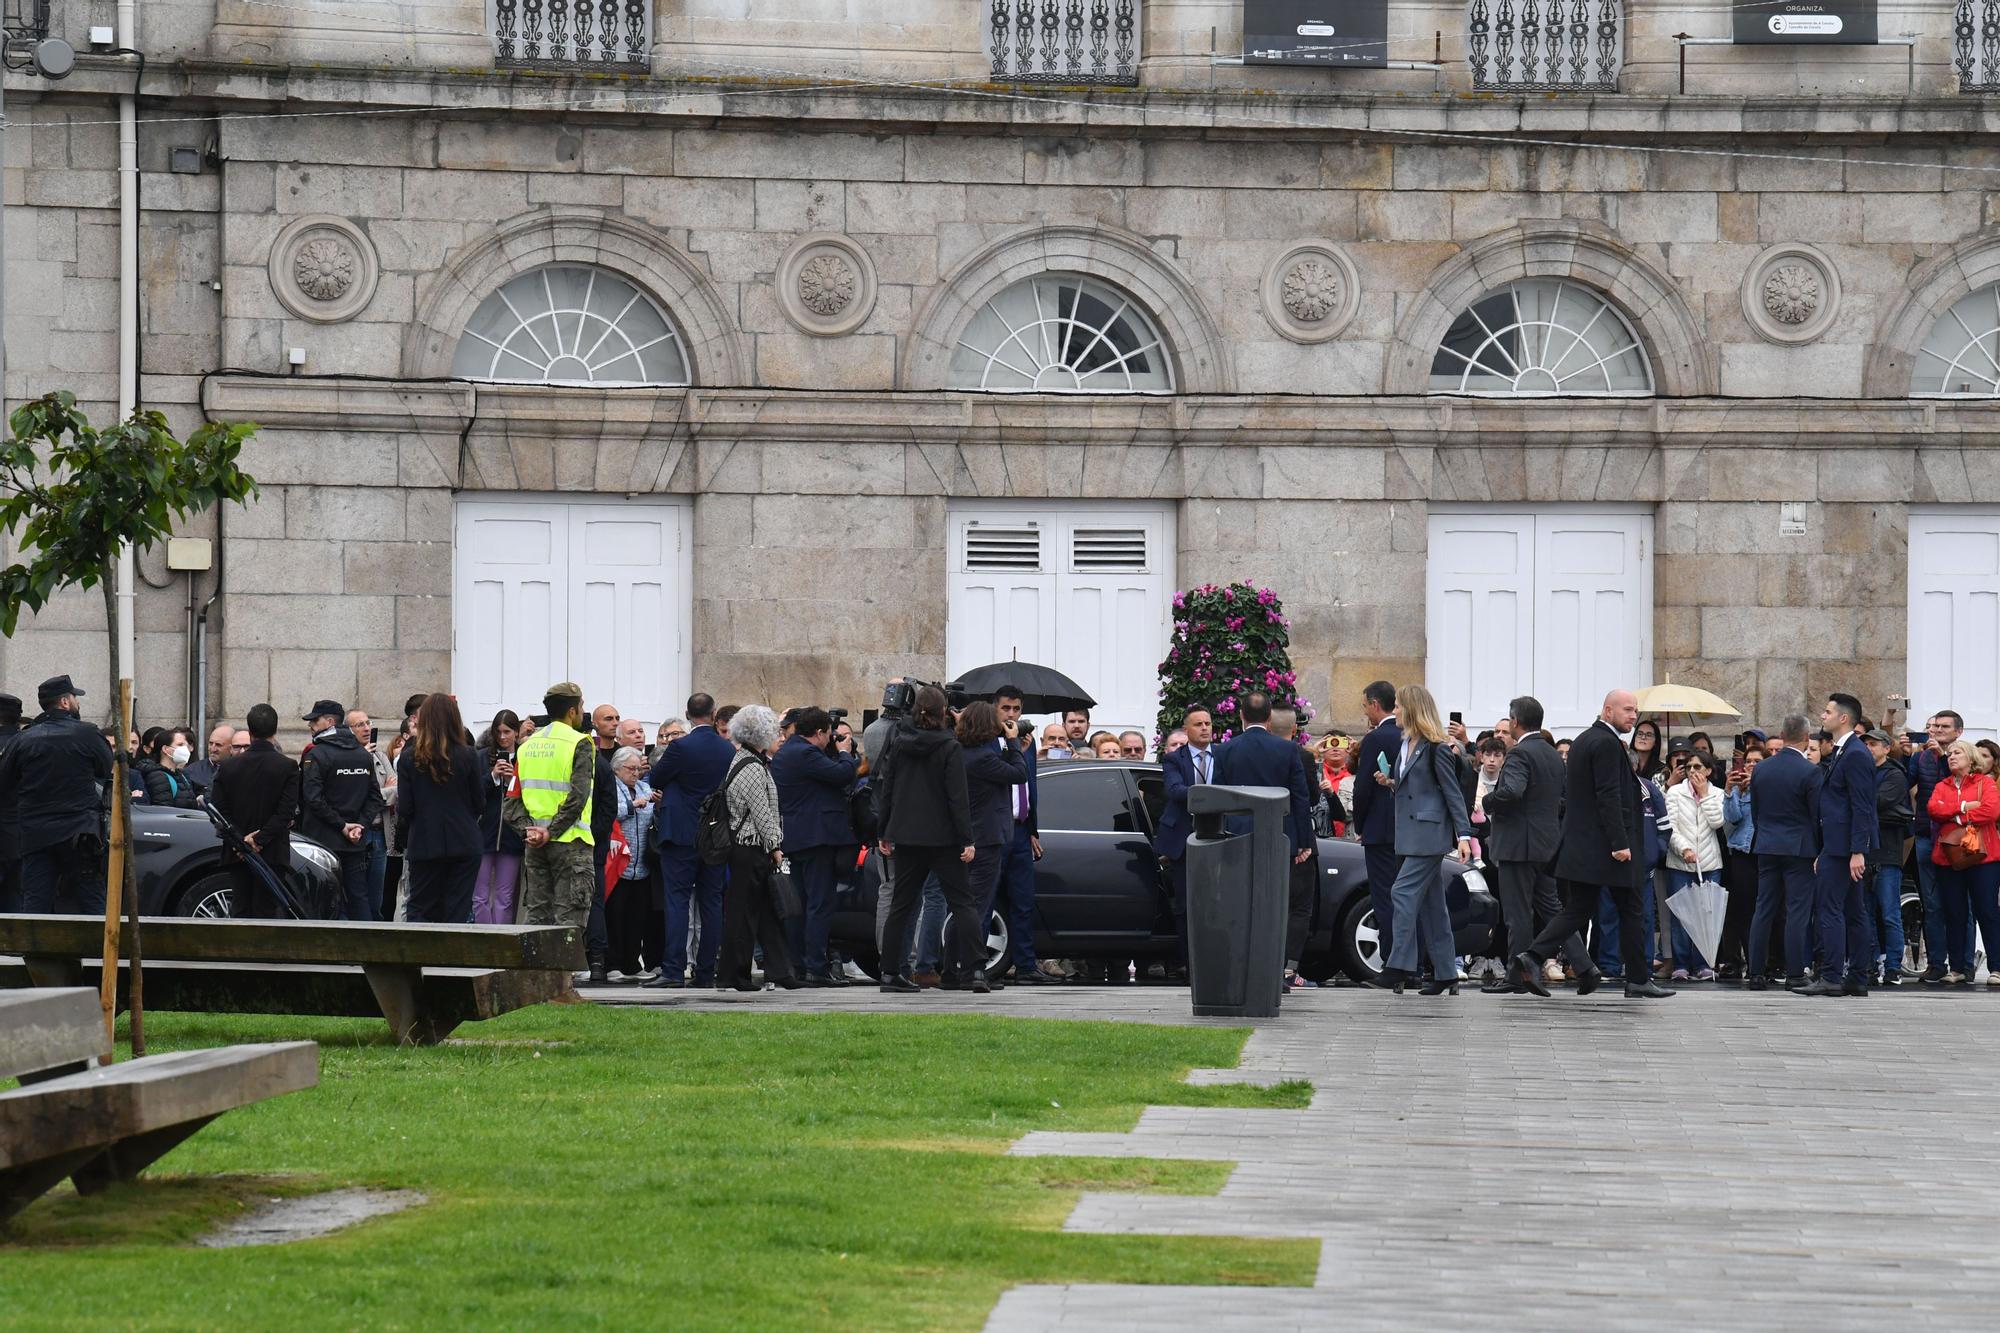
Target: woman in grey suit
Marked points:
1431	822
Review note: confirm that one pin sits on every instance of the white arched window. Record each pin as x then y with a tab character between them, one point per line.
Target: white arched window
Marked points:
570	324
1061	333
1961	358
1541	336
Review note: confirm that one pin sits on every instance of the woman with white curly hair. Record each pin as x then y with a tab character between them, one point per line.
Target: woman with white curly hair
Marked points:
749	915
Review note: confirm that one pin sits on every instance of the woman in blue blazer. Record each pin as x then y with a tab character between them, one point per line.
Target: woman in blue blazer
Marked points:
1431	822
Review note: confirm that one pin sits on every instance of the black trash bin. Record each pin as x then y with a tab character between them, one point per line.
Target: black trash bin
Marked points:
1237	886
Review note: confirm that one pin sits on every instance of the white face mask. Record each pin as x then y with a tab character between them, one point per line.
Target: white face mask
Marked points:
180	754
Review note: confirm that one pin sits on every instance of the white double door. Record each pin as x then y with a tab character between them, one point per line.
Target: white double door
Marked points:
547	590
1557	604
1954	640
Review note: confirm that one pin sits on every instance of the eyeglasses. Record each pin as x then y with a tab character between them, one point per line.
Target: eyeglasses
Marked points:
1133	751
238	749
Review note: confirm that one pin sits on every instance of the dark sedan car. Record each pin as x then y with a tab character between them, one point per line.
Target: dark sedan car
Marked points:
1100	891
177	855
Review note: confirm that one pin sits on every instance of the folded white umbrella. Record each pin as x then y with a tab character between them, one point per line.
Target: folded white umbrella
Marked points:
1700	907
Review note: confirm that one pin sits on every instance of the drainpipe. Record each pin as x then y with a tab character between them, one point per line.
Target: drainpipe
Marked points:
128	313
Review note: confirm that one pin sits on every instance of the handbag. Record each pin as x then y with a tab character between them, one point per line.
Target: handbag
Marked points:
1963	847
786	900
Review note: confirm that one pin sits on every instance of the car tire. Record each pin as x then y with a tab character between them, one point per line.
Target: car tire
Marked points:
210	897
1356	941
998	943
1916	959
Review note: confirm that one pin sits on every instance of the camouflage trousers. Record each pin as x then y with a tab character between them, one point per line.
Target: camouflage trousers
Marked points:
557	882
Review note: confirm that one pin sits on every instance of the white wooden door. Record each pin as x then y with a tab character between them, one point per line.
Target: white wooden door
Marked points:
1085	589
1954	620
548	590
1557	604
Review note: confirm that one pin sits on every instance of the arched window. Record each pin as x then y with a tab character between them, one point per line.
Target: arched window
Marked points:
1061	333
570	324
1961	358
1541	336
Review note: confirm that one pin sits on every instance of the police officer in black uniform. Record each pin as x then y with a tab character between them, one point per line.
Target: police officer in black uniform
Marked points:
53	778
10	870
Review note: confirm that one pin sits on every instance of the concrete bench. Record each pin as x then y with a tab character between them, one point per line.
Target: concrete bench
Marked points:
48	1033
114	1121
424	979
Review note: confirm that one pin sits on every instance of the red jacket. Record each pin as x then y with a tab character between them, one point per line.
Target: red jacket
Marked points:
1984	810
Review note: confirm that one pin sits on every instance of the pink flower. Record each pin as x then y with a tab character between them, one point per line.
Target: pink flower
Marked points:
1236	647
1228	594
1226	706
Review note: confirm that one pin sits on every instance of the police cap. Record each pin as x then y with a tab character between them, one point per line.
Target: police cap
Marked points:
55	687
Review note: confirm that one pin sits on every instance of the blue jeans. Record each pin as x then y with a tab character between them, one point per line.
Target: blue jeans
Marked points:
1935	944
374	853
1605	946
1687	957
1017	887
691	885
1885	919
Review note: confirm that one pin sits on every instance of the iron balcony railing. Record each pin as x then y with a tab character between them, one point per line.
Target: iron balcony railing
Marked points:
1063	41
571	34
1975	45
1547	45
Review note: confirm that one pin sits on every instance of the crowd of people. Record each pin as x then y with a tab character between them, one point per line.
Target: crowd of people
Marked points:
717	844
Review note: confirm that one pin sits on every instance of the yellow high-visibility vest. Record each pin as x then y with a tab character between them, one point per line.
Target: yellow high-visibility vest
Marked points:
543	767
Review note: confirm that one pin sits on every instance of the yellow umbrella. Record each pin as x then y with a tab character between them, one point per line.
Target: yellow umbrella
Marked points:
1668	697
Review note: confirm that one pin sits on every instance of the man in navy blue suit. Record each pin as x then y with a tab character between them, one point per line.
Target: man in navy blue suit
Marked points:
1191	765
683	776
1375	801
1848	832
1017	870
1784	791
813	779
1256	758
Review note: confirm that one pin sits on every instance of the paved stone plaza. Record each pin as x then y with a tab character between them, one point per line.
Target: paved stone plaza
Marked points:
1721	1160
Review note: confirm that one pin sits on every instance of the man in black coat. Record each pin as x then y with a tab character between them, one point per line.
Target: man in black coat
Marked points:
52	785
1375	801
1600	851
1525	807
258	793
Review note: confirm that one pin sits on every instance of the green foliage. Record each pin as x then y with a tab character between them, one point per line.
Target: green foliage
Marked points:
1229	639
591	1167
76	494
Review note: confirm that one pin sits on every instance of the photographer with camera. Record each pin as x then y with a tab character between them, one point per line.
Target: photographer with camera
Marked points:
926	821
814	771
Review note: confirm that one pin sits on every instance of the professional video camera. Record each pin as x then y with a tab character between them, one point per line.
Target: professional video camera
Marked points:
898	697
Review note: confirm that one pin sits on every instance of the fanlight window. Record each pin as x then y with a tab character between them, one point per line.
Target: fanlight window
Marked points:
1961	358
1541	336
1060	333
570	324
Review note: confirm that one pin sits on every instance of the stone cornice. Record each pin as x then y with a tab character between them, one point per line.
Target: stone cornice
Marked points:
585	416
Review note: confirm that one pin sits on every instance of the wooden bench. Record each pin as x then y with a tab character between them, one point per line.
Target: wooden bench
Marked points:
96	1124
425	980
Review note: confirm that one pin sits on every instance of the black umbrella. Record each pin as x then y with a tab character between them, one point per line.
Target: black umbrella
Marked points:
258	866
1043	689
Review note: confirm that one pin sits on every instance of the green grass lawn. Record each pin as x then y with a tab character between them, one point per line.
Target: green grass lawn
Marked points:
620	1168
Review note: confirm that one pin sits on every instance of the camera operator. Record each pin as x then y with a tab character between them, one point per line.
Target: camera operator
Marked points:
813	771
926	825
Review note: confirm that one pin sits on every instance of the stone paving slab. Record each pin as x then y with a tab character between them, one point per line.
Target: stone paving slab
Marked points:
1719	1160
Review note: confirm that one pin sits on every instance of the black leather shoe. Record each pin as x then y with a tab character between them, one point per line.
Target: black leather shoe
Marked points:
1032	976
598	976
788	982
1500	987
1526	973
1393	978
1647	990
976	983
900	985
1437	986
817	980
664	983
1756	983
1821	987
1586	982
1856	986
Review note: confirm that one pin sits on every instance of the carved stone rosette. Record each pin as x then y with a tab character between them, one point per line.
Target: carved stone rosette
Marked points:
826	284
324	269
1310	291
1790	294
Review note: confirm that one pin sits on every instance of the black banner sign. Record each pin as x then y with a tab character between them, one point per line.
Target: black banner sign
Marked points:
1805	22
1353	33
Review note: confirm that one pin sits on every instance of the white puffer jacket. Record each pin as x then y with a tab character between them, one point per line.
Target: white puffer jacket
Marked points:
1695	824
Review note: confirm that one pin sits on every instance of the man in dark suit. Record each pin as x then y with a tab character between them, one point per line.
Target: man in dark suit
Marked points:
258	793
1525	809
687	771
1189	766
1256	758
1305	869
1784	791
1017	869
1600	852
1848	832
813	780
1375	801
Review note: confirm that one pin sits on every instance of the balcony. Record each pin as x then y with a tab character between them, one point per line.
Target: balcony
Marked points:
1975	45
1063	41
572	34
1548	45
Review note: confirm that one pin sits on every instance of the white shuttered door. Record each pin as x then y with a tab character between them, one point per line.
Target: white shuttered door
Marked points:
596	593
1954	641
1085	590
1556	604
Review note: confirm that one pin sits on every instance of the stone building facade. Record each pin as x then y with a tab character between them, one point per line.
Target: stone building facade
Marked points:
833	205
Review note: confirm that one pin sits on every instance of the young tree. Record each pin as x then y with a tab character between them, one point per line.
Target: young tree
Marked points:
75	495
1228	640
